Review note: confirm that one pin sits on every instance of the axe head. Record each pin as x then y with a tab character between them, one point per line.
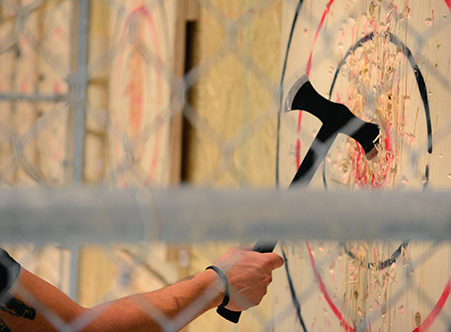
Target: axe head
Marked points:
336	118
294	91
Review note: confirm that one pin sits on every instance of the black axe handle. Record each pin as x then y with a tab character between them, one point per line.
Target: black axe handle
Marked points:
260	246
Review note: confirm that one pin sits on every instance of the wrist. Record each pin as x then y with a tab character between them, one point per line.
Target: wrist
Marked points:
223	278
214	281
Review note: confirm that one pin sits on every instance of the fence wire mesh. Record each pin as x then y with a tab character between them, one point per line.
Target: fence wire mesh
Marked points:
89	91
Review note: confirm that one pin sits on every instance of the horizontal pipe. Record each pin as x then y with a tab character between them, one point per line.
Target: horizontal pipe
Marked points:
31	97
84	215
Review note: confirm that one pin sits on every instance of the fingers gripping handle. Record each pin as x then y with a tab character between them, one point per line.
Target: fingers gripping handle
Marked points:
234	316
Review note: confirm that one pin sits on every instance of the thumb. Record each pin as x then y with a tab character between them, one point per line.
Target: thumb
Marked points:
275	261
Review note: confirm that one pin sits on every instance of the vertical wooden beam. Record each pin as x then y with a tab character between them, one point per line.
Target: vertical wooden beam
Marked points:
187	10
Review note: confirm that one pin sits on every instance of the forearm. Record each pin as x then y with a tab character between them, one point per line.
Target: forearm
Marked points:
35	305
177	304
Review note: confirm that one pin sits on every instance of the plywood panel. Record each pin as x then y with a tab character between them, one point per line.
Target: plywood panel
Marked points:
234	118
234	110
140	83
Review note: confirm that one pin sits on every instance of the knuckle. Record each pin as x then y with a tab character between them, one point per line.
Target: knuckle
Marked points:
266	280
269	279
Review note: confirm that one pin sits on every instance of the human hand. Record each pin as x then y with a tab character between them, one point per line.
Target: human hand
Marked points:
249	274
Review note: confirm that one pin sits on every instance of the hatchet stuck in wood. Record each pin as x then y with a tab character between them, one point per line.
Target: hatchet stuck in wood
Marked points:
336	119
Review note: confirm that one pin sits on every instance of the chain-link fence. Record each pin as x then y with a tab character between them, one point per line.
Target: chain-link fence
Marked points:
148	94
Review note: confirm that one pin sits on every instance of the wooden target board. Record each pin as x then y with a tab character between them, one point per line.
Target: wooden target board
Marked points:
389	63
141	82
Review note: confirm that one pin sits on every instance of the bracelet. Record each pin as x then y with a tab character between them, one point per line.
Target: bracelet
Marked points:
226	282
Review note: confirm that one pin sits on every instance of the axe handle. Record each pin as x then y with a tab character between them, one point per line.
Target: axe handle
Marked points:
333	123
314	157
264	246
307	169
234	316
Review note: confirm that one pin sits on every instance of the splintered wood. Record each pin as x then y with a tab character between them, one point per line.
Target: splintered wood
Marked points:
373	83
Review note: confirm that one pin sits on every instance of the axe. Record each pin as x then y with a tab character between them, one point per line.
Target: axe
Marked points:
336	118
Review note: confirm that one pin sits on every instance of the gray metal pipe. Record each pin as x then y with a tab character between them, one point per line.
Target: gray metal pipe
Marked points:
78	215
32	97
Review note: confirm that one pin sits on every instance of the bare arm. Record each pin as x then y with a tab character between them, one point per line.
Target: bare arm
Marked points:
249	274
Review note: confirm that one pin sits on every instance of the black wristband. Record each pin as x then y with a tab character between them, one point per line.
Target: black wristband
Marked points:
226	282
9	272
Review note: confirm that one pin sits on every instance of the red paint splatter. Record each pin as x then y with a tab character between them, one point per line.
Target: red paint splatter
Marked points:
56	87
323	289
436	311
427	323
309	63
298	142
135	90
307	70
299	122
389	147
298	153
156	147
137	98
156	153
448	3
388	144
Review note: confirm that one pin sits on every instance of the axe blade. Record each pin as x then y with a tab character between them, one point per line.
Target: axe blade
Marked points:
336	118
